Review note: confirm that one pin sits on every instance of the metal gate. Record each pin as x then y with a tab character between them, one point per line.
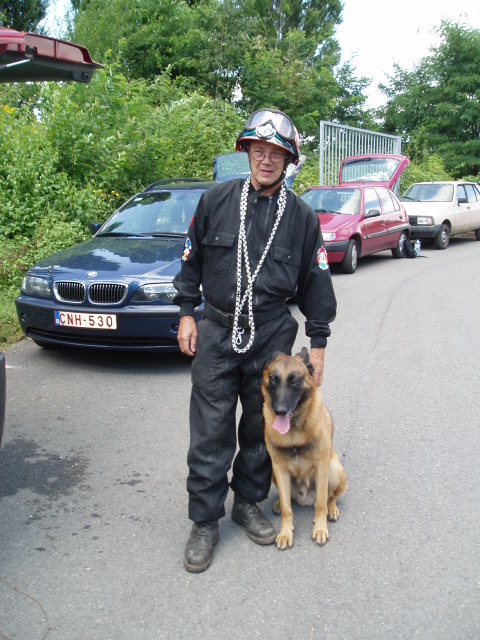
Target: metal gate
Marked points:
339	141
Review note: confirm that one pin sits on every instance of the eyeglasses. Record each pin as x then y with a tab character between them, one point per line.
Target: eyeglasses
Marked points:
282	123
275	157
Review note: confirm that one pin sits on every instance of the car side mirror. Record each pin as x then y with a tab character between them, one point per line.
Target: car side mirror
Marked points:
373	213
94	227
462	200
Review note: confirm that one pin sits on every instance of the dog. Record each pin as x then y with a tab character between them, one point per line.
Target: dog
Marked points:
299	439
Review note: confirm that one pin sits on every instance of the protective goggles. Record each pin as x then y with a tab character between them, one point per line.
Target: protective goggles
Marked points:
282	123
267	133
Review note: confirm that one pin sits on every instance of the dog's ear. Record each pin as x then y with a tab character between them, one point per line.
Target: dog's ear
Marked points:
304	355
272	358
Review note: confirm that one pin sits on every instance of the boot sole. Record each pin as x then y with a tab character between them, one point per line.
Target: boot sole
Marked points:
197	568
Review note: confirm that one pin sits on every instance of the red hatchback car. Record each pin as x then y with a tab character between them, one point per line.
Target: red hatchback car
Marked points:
361	215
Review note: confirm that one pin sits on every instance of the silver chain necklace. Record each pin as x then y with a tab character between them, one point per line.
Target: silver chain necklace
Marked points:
242	251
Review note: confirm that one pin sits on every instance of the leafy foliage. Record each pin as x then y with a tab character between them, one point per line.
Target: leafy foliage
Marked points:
22	15
429	168
249	52
437	106
72	153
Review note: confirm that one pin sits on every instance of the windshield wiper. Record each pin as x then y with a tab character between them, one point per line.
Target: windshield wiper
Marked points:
122	234
169	234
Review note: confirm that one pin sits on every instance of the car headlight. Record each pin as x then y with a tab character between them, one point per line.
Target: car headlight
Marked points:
154	292
328	236
426	220
35	286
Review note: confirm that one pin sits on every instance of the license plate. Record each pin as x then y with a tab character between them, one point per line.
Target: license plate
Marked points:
85	320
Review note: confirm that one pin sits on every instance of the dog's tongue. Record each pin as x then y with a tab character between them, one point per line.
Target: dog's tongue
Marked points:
282	424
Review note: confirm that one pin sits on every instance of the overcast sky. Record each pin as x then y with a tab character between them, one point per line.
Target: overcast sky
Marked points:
374	34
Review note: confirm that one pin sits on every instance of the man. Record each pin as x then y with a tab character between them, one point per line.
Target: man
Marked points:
251	246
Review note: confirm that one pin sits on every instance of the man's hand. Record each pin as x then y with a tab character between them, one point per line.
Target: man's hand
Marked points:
317	360
187	335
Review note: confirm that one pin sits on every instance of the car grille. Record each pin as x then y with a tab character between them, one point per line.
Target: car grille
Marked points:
106	293
70	291
98	292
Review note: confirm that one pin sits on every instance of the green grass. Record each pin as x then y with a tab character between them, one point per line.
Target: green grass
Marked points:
10	331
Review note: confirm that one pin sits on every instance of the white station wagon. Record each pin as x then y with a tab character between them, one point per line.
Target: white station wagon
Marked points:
439	210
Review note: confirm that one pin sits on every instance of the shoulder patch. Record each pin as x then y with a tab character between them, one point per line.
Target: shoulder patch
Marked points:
187	249
322	258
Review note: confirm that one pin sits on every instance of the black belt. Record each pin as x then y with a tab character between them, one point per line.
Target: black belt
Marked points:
227	319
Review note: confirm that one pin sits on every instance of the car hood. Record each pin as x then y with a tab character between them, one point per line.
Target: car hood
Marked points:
157	258
426	208
335	221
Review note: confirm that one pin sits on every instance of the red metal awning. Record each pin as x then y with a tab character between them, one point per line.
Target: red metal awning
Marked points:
28	57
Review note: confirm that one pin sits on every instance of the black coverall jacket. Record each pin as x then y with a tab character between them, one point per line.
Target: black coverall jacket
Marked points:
295	265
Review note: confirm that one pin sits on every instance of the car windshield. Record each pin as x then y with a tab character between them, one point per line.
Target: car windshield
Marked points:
162	212
231	165
369	170
429	193
346	201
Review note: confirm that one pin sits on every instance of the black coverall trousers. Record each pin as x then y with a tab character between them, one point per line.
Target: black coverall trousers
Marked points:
220	377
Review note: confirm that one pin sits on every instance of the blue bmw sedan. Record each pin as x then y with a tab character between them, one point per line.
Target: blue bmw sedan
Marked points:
115	290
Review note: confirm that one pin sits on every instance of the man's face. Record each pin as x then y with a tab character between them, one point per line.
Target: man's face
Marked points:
265	170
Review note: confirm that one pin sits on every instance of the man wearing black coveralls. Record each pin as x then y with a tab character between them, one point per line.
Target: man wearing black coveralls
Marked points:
252	245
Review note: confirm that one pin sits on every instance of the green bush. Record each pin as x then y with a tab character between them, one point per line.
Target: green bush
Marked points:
430	168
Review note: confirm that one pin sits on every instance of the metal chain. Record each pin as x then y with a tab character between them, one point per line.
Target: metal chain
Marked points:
242	251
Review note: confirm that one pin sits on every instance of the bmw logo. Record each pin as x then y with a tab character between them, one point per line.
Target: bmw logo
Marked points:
92	274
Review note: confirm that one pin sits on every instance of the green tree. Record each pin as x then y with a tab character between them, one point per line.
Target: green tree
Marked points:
22	15
436	107
249	52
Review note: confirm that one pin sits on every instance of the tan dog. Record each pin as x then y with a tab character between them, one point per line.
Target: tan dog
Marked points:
298	435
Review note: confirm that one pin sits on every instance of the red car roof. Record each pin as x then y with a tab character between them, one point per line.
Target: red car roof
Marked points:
28	57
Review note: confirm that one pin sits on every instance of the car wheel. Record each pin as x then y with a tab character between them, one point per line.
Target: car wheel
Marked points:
350	260
477	234
442	238
399	251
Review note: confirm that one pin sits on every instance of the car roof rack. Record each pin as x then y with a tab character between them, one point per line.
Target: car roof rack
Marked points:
159	183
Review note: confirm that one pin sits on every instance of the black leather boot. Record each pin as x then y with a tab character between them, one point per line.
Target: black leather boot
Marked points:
258	527
199	550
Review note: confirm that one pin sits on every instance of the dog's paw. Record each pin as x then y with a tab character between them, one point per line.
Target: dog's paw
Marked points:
319	535
284	540
333	512
276	507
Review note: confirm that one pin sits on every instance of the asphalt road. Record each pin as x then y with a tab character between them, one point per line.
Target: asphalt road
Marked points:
93	504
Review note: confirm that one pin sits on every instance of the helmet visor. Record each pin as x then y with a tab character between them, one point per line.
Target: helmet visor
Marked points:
283	125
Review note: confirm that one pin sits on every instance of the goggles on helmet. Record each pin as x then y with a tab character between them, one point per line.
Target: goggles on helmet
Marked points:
281	123
265	132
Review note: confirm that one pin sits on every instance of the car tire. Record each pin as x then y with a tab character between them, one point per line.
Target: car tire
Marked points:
350	260
399	250
477	234
442	238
